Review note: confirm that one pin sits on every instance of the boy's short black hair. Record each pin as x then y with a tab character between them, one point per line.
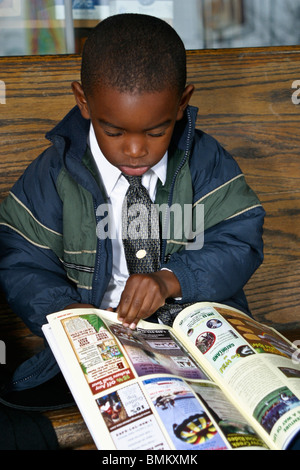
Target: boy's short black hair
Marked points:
134	53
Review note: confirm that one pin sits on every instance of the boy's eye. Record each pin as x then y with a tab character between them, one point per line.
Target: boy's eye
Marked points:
112	134
158	134
117	134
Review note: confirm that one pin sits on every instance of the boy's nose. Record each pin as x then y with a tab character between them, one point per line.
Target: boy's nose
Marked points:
135	147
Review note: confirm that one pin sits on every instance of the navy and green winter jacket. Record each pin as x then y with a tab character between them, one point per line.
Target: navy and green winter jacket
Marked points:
51	257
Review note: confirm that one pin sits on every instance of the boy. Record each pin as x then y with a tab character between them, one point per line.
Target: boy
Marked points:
132	119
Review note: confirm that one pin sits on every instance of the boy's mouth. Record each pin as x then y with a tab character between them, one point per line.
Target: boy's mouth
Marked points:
134	170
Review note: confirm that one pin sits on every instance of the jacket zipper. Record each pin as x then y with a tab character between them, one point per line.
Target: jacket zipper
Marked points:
36	373
97	264
164	225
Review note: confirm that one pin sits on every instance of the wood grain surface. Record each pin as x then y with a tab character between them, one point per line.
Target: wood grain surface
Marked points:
244	98
38	95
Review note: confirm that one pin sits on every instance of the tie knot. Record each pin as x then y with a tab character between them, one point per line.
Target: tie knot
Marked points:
134	181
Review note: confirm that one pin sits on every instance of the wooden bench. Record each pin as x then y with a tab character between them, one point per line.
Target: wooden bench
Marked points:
245	100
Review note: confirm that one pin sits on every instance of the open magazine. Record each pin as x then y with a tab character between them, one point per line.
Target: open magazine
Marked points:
216	380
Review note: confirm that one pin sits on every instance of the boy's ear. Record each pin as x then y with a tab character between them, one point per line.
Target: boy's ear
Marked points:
81	100
184	101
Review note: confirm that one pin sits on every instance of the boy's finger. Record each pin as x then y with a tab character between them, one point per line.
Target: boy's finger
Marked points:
132	312
130	301
140	306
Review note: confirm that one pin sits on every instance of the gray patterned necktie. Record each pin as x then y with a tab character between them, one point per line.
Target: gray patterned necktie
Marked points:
140	229
141	239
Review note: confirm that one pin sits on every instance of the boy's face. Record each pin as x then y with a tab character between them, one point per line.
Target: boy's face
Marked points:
133	130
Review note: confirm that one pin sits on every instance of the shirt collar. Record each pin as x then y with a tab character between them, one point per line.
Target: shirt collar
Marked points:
110	174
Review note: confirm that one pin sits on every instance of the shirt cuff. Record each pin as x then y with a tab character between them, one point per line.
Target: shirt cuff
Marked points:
166	269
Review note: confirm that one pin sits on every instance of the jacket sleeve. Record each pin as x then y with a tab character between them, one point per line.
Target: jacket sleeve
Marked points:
232	247
218	270
31	274
32	279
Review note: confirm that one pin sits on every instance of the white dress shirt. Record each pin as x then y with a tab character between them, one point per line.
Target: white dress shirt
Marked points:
116	185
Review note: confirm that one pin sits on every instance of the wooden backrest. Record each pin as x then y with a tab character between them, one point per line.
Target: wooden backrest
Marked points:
245	100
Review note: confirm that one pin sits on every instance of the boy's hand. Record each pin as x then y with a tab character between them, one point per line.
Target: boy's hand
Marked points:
144	294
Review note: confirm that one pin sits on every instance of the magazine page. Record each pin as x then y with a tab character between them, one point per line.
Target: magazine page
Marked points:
141	389
154	349
253	363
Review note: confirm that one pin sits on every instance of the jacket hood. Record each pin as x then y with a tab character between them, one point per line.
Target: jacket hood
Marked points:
70	134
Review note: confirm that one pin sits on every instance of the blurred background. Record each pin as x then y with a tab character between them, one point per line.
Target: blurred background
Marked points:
61	26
